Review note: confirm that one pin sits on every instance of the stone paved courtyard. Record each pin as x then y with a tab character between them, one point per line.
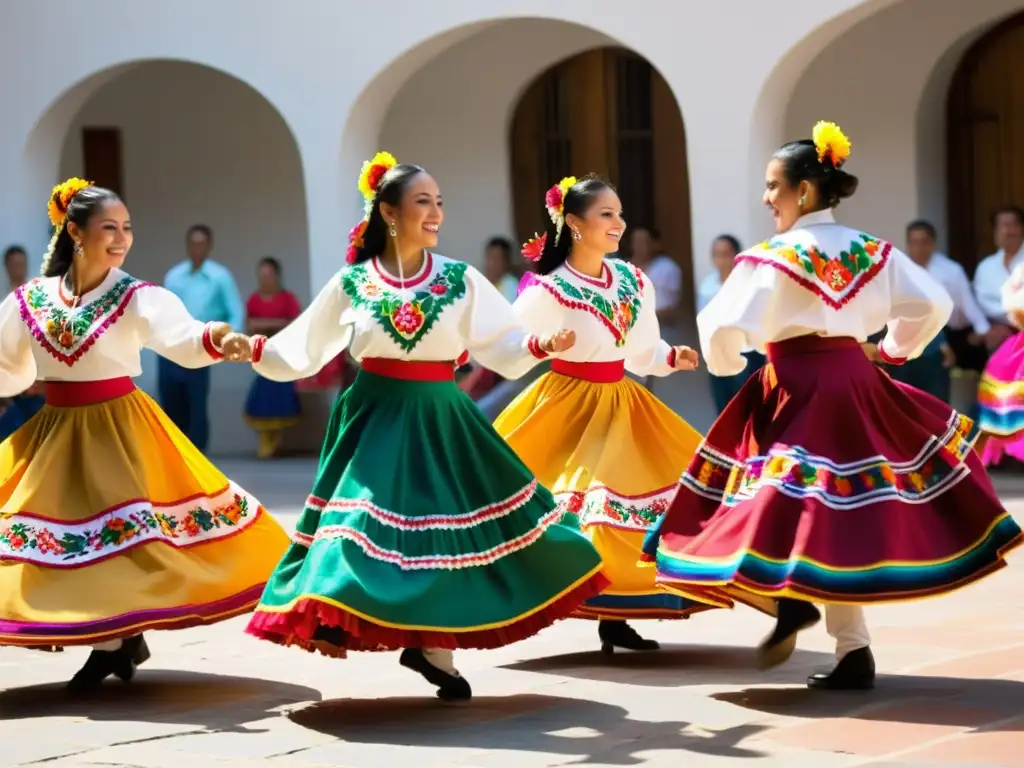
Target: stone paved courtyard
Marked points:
950	693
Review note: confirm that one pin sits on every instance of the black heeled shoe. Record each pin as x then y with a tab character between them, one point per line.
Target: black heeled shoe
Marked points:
98	667
793	617
854	672
449	687
618	634
132	653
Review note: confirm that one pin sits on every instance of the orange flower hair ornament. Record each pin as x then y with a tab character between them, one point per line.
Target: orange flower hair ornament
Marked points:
831	143
534	247
61	198
369	180
554	201
370	176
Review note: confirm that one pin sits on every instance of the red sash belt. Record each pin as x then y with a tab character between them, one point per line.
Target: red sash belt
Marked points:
410	370
71	394
599	373
808	345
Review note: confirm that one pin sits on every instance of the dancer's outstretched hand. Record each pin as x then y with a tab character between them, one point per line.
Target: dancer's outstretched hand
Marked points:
236	347
558	342
687	359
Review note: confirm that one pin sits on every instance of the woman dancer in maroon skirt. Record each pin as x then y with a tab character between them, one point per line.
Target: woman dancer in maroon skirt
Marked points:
824	480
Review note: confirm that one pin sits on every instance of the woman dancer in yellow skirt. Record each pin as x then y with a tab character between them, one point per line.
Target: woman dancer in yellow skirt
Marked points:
610	451
111	522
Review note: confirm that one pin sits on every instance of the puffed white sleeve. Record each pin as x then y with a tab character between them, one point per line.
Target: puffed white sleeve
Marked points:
167	328
309	342
501	338
1013	290
17	365
749	310
649	354
919	308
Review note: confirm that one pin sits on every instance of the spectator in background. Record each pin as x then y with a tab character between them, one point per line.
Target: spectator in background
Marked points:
995	270
968	327
16	266
17	410
664	273
209	293
271	407
498	267
724	250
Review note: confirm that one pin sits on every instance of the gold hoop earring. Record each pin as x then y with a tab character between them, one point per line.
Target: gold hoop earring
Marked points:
393	232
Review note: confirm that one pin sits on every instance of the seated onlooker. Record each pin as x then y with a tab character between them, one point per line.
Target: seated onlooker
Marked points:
16	266
994	270
661	269
498	267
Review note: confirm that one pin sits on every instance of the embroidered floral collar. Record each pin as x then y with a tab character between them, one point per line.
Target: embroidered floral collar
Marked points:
66	331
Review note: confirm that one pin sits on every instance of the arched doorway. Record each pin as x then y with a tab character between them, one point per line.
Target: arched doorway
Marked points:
986	139
606	111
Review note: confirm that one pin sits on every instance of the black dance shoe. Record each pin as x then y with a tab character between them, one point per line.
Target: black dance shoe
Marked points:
793	617
449	687
618	634
102	664
854	672
131	654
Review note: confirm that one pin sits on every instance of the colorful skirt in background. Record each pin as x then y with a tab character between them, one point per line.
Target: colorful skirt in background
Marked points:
612	454
1001	402
270	408
112	524
423	529
825	480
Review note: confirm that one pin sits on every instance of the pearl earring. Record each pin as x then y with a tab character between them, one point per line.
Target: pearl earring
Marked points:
576	235
393	232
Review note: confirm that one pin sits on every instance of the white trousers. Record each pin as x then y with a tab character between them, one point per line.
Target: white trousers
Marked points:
846	624
441	658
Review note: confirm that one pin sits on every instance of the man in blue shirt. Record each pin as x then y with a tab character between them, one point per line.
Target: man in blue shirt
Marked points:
209	293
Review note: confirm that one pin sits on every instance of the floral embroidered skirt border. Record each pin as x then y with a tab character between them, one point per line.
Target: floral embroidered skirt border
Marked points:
112	523
423	530
825	480
1001	401
612	454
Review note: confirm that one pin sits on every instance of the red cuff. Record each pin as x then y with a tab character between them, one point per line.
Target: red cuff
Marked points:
533	344
211	350
462	359
890	360
258	341
671	357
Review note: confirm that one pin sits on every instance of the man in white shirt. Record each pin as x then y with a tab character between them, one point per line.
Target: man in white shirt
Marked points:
994	270
968	327
664	273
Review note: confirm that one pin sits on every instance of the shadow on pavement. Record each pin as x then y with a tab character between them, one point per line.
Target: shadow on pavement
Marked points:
523	723
675	665
216	702
948	701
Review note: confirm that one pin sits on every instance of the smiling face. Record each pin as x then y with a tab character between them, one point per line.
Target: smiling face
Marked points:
602	226
419	215
107	237
782	198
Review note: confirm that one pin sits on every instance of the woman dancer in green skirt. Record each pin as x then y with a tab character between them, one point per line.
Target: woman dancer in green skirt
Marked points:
423	531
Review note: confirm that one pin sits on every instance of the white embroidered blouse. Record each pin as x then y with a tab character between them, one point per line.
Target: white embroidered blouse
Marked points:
822	278
43	338
444	312
1012	292
613	316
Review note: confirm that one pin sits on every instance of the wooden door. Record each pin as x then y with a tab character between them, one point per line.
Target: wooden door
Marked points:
102	160
606	111
986	139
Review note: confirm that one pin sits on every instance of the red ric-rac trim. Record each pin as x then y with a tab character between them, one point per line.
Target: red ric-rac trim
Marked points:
811	285
533	344
258	342
604	281
211	350
671	360
410	282
573	304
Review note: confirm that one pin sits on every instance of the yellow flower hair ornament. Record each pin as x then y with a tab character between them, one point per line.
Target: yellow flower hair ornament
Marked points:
554	201
370	176
61	198
831	143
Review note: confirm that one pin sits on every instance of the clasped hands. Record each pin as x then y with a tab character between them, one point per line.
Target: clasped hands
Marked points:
236	347
686	359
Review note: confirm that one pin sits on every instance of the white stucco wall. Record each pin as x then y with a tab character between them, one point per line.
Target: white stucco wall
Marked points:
885	81
199	146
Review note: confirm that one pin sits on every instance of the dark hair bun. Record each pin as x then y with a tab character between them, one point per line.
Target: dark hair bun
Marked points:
846	184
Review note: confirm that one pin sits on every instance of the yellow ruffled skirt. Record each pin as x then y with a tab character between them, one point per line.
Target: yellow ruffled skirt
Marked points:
612	454
112	523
